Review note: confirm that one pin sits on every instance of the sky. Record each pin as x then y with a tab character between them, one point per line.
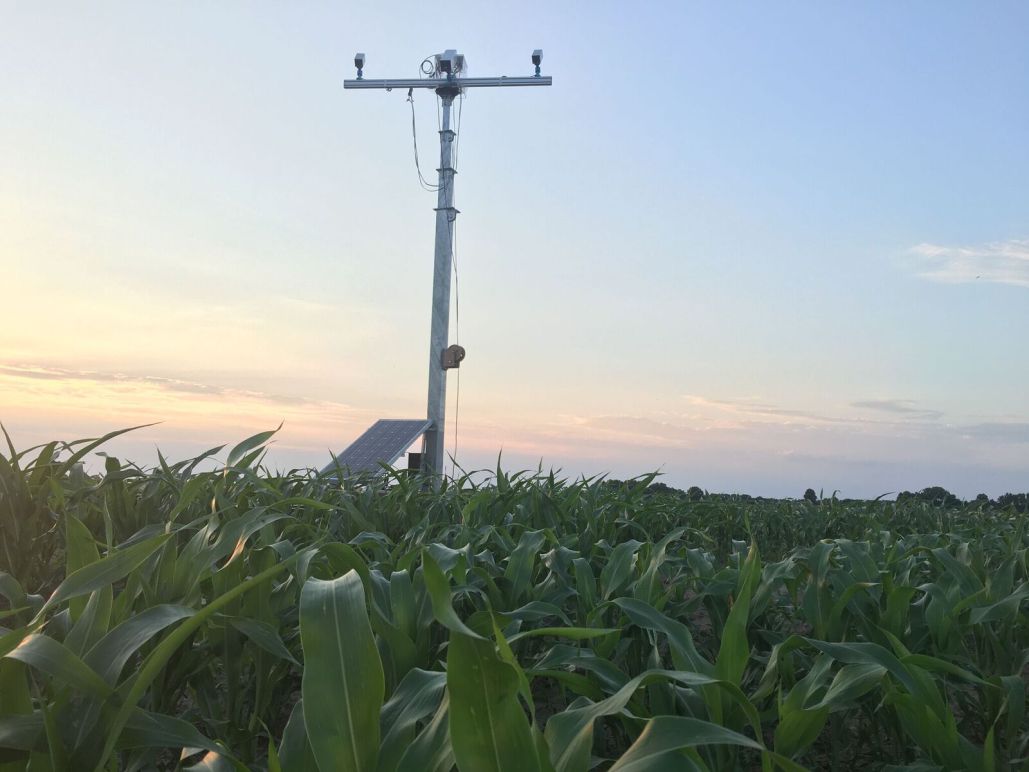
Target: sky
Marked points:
756	247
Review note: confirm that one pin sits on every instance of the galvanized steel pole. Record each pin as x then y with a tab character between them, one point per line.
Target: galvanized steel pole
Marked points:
447	86
446	214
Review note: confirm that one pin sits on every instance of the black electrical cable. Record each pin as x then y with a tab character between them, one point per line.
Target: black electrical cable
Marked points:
414	136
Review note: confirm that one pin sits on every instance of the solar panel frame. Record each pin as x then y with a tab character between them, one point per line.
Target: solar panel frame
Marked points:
383	442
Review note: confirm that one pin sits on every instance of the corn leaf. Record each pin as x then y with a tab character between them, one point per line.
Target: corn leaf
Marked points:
343	675
665	736
104	572
488	727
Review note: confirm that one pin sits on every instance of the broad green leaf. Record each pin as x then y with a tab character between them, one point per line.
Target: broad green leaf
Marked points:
506	654
605	673
402	603
648	587
521	561
89	445
264	635
817	599
156	661
12	590
431	750
417	697
1014	692
861	653
734	650
618	569
153	730
274	764
402	651
20	728
938	665
439	594
80	551
970	583
56	660
250	443
110	654
488	727
343	674
56	756
10	639
92	622
850	684
295	754
342	558
574	633
1006	609
840	605
798	728
542	750
923	726
234	535
585	584
104	572
535	610
21	732
14	688
665	736
684	653
570	733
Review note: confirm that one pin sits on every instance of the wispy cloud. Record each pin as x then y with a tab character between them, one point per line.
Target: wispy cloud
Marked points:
641	429
902	407
1004	262
896	430
44	401
1004	432
757	410
63	374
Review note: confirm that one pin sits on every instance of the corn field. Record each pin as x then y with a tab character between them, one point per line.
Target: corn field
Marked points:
245	619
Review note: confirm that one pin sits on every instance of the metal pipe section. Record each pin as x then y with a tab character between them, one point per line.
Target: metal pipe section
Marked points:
461	83
432	446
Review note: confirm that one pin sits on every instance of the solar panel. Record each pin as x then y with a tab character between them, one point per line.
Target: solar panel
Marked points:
382	443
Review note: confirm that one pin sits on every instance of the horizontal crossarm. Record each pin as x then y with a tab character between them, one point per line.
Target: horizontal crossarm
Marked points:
461	83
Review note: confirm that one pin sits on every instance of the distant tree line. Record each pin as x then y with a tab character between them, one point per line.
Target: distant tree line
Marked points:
938	496
935	495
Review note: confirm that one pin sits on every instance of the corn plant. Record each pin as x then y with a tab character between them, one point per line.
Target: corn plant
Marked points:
212	614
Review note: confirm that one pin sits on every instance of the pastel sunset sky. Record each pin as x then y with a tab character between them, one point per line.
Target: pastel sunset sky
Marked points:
760	247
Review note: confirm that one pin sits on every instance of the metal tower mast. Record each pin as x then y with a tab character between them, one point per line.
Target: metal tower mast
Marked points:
447	82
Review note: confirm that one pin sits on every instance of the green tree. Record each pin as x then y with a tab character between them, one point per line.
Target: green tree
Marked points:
938	496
